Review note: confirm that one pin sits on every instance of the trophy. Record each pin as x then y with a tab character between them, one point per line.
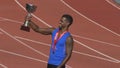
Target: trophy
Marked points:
30	9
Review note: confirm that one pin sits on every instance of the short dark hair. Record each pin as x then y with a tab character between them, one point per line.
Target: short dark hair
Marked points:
69	18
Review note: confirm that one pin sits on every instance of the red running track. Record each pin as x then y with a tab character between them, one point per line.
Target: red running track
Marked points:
95	31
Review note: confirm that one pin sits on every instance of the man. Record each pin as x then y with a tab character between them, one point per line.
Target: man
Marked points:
62	41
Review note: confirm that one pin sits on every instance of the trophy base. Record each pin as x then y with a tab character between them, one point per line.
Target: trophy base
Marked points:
24	28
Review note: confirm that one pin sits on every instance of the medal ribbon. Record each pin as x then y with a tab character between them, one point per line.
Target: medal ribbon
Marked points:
56	39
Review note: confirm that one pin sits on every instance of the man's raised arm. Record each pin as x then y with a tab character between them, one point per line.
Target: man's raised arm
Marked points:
44	31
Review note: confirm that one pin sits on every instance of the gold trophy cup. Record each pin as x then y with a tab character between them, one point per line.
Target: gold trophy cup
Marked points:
30	9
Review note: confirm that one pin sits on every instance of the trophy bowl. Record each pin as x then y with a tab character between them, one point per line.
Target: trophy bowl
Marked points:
30	8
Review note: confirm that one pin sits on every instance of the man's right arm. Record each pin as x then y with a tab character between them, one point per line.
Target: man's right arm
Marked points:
36	28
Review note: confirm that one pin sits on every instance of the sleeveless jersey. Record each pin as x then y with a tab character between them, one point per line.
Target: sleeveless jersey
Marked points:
59	53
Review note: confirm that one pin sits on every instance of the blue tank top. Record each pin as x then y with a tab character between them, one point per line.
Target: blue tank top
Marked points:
56	57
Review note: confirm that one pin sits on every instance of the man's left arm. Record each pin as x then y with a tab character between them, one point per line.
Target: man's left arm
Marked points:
69	48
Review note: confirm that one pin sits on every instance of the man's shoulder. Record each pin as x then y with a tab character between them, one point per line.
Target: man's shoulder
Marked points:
70	38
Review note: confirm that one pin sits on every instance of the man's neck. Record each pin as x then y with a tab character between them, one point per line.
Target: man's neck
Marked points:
63	30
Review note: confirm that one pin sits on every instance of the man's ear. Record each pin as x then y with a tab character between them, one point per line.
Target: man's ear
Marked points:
68	23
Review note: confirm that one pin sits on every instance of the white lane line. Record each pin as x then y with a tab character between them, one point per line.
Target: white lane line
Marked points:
41	43
97	51
20	55
80	42
15	21
97	57
5	19
3	66
111	3
11	20
23	43
96	40
32	14
89	18
0	22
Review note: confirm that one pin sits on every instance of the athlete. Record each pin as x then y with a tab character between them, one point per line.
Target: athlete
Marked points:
62	41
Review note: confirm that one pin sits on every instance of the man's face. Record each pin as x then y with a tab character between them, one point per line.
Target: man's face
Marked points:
63	23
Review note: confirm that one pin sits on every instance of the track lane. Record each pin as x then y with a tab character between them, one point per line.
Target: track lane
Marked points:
18	47
34	35
99	11
16	61
113	3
